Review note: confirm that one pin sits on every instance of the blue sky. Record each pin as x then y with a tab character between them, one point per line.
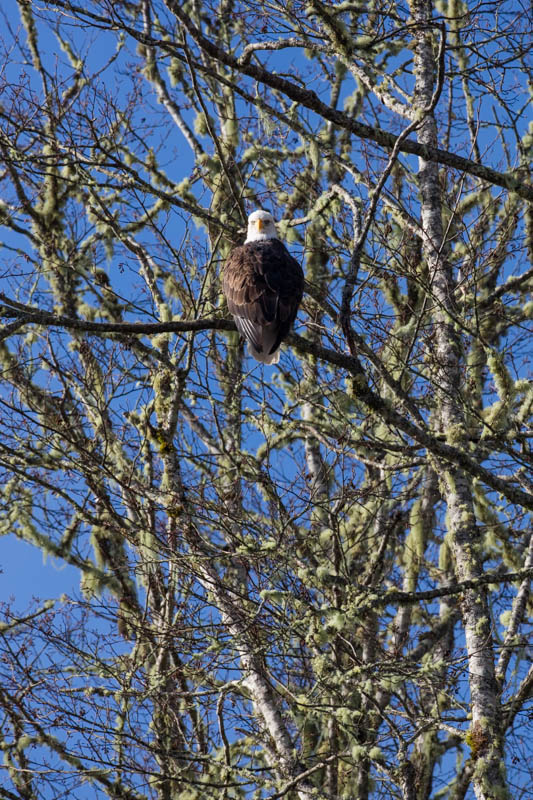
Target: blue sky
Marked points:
26	574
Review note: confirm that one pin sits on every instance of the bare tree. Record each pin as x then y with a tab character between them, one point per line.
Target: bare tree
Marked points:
302	581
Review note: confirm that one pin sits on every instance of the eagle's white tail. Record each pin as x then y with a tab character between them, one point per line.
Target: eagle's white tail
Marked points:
264	358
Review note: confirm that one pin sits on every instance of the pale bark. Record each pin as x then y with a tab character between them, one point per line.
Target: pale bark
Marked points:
309	99
266	706
488	776
517	617
281	557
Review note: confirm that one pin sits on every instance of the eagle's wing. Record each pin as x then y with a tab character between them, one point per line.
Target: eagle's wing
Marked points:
263	285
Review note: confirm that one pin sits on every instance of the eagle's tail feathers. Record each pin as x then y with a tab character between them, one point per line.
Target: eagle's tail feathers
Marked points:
264	358
263	340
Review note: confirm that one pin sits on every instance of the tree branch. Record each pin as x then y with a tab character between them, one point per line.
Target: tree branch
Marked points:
350	363
310	100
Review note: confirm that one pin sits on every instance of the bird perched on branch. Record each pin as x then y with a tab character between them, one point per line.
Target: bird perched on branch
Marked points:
263	285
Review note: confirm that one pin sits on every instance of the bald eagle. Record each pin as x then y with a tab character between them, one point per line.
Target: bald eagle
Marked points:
263	285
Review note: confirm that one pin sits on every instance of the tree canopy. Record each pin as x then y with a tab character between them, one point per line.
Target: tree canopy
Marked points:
310	580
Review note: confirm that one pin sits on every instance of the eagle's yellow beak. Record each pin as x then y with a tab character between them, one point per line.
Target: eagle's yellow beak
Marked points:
259	225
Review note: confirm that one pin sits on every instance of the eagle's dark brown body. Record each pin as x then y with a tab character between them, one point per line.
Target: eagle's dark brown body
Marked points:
263	285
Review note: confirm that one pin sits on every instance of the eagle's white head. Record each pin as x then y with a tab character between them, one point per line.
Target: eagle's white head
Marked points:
261	226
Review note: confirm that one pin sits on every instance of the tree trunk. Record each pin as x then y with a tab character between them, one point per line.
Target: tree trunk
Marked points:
456	487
